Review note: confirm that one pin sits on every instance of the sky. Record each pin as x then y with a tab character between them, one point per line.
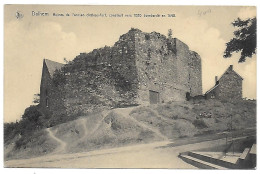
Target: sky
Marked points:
29	39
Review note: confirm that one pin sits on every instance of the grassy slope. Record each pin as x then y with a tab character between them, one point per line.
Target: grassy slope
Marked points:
186	119
141	125
38	144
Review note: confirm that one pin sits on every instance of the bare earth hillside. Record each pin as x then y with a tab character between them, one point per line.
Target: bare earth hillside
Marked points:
136	125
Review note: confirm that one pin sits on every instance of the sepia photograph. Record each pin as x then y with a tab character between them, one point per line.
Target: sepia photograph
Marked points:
130	86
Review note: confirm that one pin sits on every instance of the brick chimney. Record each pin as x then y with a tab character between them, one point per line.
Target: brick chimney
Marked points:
231	67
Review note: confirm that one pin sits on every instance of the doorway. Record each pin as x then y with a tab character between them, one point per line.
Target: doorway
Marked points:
154	97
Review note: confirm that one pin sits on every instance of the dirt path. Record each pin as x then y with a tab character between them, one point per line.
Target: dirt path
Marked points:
88	131
125	112
83	122
62	145
104	114
84	125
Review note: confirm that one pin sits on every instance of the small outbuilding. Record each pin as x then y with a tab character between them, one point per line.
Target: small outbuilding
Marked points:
228	87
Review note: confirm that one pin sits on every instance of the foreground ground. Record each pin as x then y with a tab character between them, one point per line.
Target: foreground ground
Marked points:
163	154
128	137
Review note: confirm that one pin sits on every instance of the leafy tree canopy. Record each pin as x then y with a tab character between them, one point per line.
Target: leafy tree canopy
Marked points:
244	40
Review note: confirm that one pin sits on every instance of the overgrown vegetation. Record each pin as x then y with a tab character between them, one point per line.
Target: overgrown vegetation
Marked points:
31	121
190	118
200	124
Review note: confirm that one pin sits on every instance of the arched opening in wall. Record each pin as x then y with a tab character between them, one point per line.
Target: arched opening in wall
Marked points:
188	97
154	97
47	103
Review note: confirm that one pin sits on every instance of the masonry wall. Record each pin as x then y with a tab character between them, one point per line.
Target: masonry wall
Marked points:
90	89
46	83
195	74
103	77
124	73
51	94
213	93
164	65
153	61
188	69
230	86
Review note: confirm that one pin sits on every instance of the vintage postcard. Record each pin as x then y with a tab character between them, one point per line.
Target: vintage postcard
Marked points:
130	86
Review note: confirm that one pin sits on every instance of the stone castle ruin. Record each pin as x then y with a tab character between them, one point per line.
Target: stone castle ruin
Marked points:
140	68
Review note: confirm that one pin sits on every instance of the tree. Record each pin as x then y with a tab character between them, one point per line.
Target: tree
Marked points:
31	114
244	40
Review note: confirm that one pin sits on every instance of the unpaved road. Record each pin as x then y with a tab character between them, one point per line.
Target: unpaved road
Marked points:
137	156
162	154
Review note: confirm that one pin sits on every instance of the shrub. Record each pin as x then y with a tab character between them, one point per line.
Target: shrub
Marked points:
30	122
185	128
31	114
200	124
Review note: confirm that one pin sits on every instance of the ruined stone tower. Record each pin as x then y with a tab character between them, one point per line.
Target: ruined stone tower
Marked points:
140	68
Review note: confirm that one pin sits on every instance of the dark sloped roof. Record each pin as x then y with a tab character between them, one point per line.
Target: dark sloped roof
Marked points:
52	66
229	69
211	89
216	85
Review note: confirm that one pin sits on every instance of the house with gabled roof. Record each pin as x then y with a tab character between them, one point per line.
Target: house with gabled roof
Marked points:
228	87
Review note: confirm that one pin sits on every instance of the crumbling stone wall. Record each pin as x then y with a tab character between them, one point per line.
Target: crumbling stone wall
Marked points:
195	74
51	97
124	73
88	90
167	66
103	77
46	85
